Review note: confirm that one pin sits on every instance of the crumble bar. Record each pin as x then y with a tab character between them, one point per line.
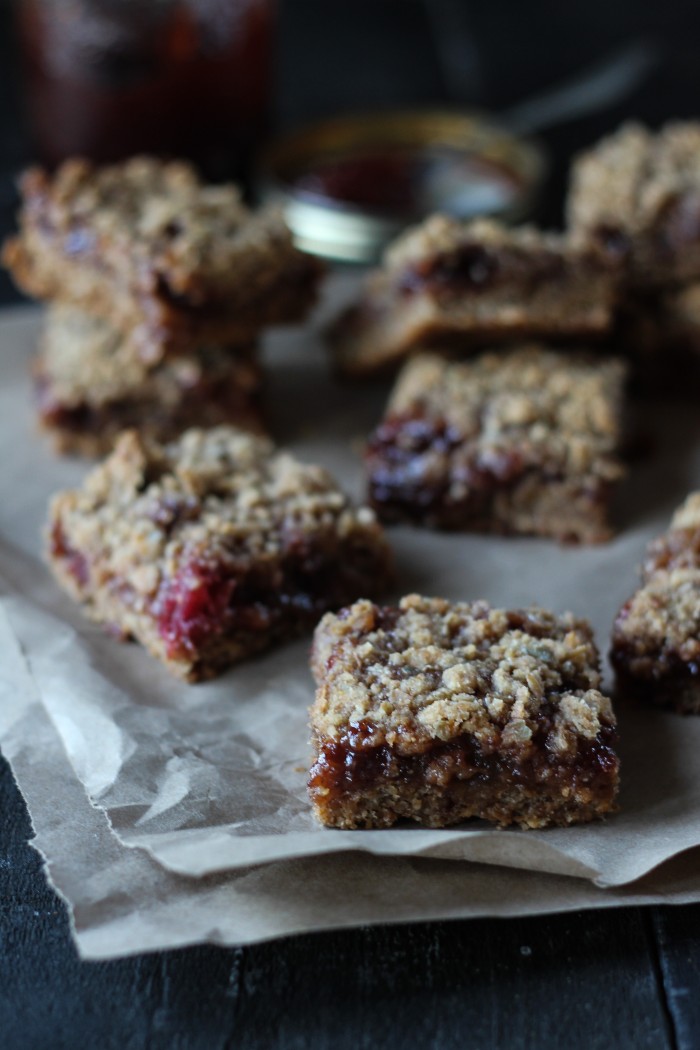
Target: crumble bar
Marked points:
464	283
211	548
440	712
517	441
637	193
145	244
89	385
656	636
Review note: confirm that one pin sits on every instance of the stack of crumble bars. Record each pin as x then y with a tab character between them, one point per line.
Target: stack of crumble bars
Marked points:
159	287
196	536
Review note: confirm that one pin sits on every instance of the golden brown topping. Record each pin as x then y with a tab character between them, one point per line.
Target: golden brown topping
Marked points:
221	491
441	234
627	181
431	670
154	223
562	409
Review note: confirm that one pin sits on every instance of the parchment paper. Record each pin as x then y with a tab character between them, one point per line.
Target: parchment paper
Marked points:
122	902
211	779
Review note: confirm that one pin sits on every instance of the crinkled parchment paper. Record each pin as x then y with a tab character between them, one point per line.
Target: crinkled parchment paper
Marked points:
209	780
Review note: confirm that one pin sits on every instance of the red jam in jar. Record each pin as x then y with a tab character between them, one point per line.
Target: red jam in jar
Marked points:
412	182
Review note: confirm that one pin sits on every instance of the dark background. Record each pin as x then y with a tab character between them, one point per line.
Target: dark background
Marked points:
628	978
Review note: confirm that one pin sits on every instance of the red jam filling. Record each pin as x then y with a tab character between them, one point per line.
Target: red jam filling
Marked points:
192	605
412	467
474	268
207	400
378	181
354	764
410	180
470	267
613	241
204	600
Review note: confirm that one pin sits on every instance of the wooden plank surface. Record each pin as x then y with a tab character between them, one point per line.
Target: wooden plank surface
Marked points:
676	934
491	984
507	984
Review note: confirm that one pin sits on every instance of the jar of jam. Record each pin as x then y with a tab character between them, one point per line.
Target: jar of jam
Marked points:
109	78
351	184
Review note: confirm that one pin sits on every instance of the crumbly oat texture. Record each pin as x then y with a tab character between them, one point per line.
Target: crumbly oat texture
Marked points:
439	712
146	245
465	283
90	385
524	440
637	193
209	549
656	635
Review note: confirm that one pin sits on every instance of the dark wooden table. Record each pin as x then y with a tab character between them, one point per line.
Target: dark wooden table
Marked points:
623	978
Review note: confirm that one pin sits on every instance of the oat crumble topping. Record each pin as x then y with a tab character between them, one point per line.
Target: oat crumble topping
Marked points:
433	671
656	635
627	178
154	216
562	409
220	488
442	234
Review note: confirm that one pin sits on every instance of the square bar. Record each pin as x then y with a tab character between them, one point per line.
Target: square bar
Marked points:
440	712
146	245
211	548
518	441
656	636
636	194
90	384
447	282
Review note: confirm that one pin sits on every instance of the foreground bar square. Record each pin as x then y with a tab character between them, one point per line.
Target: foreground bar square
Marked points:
439	712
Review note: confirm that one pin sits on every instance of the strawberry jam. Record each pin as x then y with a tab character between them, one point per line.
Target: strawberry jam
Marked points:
191	607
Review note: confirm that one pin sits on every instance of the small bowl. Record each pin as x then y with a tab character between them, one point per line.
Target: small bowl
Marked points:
350	185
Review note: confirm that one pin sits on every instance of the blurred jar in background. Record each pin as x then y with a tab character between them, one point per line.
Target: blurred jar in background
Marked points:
109	78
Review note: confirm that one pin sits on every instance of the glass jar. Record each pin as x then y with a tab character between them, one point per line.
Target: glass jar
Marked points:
109	78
